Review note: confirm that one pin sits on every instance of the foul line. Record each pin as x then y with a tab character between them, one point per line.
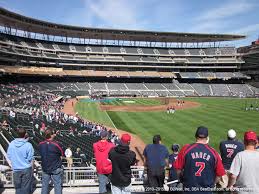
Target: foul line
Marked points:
111	120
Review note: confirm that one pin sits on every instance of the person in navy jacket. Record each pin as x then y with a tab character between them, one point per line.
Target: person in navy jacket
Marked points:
51	153
198	165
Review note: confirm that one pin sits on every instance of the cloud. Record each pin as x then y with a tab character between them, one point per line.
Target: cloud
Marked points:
116	13
229	9
219	19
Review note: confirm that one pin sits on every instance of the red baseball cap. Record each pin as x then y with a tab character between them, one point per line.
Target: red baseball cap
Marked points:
125	138
250	135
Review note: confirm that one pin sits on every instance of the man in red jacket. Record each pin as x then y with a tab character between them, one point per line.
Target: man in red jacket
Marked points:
103	165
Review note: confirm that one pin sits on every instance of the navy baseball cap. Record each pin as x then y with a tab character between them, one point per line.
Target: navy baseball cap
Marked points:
202	132
175	147
103	134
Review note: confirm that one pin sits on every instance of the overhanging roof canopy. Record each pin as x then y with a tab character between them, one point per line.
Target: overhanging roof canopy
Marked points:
20	22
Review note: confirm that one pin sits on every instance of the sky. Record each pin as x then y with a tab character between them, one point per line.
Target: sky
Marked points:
198	16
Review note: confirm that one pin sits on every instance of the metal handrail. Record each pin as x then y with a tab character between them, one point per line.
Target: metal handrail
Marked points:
78	176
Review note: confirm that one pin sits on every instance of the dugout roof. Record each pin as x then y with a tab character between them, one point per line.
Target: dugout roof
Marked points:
16	21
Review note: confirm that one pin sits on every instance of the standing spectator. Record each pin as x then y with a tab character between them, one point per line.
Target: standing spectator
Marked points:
156	159
51	153
229	150
69	154
5	125
103	165
122	158
21	154
245	166
172	171
199	165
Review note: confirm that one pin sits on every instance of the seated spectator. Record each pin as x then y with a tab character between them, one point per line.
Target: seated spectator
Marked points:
5	125
78	153
71	131
43	128
12	114
37	126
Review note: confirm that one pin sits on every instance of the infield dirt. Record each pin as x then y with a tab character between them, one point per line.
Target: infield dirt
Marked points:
144	108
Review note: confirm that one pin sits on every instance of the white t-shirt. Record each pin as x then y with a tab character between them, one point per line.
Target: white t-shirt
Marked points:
245	167
68	153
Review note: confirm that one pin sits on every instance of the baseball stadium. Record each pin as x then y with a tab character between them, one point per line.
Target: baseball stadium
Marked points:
81	81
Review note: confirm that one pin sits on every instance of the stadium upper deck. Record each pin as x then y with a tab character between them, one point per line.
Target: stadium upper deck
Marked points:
31	55
11	20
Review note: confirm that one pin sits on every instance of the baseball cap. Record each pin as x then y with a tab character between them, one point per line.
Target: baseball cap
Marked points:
103	134
125	138
250	135
202	132
175	147
231	133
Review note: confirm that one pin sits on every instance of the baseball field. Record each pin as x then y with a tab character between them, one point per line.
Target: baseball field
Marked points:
218	114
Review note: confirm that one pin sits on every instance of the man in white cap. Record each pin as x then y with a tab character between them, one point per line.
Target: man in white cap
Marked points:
228	150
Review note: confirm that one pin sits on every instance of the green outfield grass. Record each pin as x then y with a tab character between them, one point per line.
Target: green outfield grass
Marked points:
218	114
136	101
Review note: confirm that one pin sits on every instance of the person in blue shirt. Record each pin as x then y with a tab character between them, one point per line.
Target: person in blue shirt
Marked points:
21	154
156	159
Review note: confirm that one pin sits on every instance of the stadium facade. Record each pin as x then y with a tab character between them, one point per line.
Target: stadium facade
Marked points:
121	62
250	55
